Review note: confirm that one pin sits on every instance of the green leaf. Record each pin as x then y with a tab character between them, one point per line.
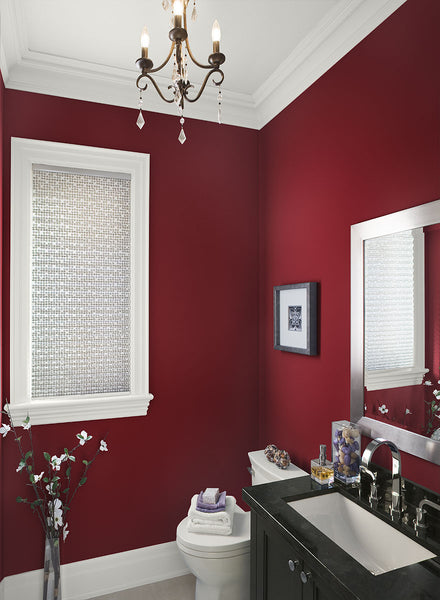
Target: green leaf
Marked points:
28	455
47	456
68	471
85	462
46	479
82	481
66	491
20	499
18	439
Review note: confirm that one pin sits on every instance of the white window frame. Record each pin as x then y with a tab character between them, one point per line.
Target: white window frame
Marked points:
400	377
24	154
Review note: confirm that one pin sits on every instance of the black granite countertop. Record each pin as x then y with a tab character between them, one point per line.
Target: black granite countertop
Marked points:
353	581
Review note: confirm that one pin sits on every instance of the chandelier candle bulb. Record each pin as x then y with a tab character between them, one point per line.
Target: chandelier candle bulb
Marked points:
216	37
145	42
178	13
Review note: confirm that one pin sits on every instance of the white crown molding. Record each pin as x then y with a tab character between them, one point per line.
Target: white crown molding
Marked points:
103	575
343	27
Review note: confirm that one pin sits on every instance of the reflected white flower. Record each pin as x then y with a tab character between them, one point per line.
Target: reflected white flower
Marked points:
38	477
103	446
383	409
408	412
427	382
65	531
83	437
4	430
21	465
26	423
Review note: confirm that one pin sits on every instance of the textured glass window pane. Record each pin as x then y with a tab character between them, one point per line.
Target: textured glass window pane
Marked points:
389	301
80	283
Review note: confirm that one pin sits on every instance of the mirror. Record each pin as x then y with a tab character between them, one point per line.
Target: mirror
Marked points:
394	353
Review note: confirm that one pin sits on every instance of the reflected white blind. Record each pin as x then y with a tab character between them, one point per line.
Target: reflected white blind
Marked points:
80	283
389	301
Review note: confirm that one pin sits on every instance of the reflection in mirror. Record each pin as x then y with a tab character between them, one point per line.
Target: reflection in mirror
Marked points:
395	329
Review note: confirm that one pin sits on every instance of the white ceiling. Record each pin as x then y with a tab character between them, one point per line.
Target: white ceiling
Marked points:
274	49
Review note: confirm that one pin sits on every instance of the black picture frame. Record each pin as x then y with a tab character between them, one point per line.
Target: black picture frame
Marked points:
296	318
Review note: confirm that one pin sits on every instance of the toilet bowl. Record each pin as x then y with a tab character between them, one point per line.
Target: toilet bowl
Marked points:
221	563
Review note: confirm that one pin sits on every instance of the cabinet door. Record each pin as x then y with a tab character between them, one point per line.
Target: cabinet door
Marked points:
313	588
283	568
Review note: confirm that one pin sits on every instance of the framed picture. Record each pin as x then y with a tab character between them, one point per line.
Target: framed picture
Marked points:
296	318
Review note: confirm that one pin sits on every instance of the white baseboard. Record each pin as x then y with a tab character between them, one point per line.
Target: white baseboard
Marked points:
103	575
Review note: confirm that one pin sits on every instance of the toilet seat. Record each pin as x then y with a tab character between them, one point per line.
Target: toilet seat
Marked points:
206	545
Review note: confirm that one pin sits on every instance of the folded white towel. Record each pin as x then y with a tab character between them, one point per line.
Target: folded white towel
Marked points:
210	495
220	523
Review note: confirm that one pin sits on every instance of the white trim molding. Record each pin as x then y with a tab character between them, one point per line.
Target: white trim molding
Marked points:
25	154
348	23
103	575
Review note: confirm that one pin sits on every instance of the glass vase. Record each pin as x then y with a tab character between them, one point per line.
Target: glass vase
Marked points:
346	438
52	569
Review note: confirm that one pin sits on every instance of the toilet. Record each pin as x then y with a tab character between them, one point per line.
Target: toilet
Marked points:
220	563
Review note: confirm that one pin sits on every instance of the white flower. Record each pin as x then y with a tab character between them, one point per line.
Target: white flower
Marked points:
38	477
65	457
83	437
427	382
51	488
4	429
103	446
55	462
408	412
21	465
57	513
65	531
383	409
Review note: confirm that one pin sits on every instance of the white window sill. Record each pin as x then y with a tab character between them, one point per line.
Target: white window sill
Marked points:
393	378
80	408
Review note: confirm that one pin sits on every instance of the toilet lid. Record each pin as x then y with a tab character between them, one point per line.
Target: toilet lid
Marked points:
208	542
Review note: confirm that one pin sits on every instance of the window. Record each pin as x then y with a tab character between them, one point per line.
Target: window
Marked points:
79	282
394	310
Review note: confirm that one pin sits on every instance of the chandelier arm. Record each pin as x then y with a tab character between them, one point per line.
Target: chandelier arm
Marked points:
158	90
205	81
165	61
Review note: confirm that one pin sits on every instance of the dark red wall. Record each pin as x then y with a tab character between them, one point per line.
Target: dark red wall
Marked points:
361	142
203	333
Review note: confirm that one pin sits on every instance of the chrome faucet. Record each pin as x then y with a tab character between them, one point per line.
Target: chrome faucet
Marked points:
372	498
396	495
419	522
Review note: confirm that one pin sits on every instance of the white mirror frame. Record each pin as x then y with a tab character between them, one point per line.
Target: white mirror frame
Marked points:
419	216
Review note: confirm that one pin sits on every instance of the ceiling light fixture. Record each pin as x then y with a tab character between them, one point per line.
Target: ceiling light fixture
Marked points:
180	50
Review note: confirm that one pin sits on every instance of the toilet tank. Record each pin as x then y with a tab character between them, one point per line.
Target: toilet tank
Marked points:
264	471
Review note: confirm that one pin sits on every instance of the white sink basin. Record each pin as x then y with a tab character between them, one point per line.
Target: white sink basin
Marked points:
373	543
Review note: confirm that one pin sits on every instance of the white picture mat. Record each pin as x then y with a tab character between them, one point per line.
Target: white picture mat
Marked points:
293	297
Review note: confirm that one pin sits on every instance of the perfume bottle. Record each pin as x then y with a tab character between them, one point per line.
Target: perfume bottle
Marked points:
321	469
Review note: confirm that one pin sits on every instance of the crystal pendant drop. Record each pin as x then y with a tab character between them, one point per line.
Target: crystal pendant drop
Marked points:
182	136
219	100
194	14
140	120
165	4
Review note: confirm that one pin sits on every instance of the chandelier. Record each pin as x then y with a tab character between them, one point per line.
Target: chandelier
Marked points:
180	50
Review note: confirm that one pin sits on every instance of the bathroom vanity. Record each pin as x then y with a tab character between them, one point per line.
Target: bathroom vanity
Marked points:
292	559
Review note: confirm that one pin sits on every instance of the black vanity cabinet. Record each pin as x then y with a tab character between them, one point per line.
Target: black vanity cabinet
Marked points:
278	571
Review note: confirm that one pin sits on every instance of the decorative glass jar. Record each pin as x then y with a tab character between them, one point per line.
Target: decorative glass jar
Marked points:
346	446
